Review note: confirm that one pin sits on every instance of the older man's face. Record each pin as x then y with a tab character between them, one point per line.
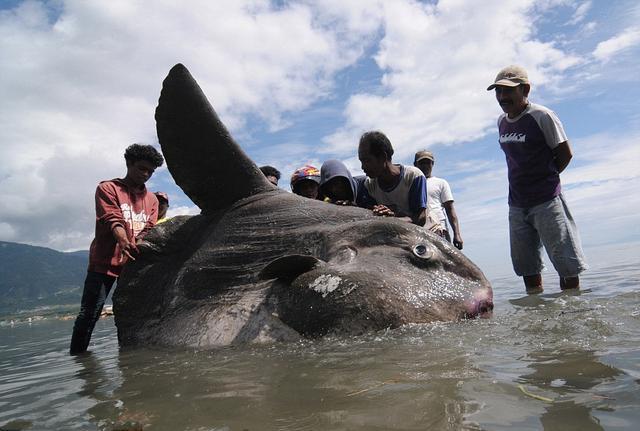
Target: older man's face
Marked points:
512	100
426	166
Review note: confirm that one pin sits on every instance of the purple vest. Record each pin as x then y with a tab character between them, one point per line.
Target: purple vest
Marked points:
527	142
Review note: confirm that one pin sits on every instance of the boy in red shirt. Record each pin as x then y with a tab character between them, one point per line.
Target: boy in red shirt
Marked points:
125	211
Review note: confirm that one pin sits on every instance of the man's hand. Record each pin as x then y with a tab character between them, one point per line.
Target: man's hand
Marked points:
127	248
457	241
434	226
382	210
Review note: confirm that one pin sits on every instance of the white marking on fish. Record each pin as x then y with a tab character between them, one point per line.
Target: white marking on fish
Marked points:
325	284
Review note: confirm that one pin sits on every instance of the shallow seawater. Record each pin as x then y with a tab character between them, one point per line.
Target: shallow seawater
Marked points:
555	361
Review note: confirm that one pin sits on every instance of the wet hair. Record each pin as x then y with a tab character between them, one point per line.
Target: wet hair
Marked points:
379	144
136	152
270	171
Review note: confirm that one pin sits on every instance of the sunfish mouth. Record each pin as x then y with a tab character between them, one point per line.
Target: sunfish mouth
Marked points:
480	305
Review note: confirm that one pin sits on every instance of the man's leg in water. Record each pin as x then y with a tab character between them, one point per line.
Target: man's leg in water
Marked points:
560	237
533	283
569	282
96	289
526	249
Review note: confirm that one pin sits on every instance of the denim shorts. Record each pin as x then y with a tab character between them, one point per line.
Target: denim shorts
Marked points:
549	224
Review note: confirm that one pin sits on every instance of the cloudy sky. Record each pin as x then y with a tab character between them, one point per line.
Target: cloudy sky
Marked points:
298	82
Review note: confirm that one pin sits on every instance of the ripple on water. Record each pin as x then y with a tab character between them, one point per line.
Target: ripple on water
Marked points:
550	361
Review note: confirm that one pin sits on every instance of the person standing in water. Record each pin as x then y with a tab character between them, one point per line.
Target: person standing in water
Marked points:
537	151
439	197
125	211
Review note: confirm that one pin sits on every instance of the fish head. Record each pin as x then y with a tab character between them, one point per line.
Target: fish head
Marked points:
375	274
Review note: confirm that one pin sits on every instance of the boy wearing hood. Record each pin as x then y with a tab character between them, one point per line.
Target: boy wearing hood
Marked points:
339	187
125	211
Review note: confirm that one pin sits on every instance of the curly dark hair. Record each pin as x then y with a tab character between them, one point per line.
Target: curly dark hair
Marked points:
379	144
136	152
269	171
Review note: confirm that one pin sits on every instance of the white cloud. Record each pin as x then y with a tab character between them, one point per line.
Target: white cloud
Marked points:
183	210
610	47
437	62
83	84
599	186
83	81
580	13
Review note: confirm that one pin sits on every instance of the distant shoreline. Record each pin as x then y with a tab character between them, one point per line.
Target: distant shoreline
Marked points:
54	312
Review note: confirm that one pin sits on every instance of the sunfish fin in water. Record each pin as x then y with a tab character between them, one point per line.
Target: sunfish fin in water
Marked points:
204	160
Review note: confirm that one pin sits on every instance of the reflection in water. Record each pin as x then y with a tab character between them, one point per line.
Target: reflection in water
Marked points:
569	373
101	379
580	351
308	386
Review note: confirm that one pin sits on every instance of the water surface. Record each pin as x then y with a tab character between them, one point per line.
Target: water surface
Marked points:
555	361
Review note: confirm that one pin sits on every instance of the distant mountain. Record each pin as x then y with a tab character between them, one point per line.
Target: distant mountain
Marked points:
38	276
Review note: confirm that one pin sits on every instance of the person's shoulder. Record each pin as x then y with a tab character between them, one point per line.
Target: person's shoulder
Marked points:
539	110
112	184
544	117
149	195
436	181
411	174
412	171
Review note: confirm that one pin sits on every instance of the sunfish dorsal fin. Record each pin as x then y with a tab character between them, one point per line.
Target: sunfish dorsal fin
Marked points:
201	155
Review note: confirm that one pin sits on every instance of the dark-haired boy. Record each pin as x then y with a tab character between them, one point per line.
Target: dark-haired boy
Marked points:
272	174
399	191
125	210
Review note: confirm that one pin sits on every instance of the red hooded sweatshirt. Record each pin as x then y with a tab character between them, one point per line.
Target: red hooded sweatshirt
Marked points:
117	204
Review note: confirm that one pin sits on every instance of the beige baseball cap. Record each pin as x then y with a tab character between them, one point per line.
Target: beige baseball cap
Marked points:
424	154
510	76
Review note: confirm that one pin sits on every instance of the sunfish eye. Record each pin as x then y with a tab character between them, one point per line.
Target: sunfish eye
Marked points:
422	251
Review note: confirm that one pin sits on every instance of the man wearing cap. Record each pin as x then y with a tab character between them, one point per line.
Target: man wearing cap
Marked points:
439	197
537	151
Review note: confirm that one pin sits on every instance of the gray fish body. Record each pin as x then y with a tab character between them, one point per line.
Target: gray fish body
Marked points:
261	265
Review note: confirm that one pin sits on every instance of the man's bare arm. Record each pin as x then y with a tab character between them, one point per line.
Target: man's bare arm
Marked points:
562	155
453	221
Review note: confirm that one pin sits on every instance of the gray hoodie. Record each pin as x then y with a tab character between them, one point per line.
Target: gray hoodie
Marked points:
335	168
